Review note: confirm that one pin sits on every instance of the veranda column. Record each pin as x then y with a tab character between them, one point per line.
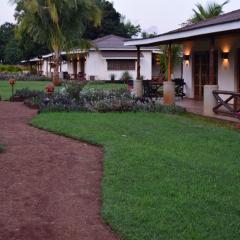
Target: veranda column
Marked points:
169	86
138	86
47	67
208	98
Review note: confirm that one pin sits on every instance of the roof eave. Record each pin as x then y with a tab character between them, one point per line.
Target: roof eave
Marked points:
185	35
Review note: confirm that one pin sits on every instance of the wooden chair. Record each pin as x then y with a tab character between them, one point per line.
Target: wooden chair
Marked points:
179	87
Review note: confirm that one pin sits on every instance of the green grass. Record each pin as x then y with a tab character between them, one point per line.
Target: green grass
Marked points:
6	92
106	86
165	177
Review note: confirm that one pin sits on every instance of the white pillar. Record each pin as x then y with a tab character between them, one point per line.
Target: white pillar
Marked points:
169	93
209	100
138	88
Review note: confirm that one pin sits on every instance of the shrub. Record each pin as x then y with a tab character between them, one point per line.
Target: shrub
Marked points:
59	103
97	100
157	107
23	77
73	89
26	93
10	69
126	76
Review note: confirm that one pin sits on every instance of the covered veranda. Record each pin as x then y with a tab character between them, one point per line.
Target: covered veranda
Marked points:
208	37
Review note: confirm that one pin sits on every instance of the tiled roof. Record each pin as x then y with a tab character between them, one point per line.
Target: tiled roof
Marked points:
114	42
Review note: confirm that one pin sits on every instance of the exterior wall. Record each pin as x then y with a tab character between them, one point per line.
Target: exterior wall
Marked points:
47	71
227	70
97	66
177	70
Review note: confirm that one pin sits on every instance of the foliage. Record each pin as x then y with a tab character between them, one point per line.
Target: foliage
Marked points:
26	93
176	57
5	89
13	50
21	76
58	24
113	77
126	76
73	89
99	100
165	176
112	23
212	9
148	35
143	105
10	69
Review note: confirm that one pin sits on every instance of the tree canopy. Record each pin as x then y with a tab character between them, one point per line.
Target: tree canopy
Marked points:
13	50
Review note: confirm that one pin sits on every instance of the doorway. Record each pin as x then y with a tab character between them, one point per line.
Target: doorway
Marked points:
201	72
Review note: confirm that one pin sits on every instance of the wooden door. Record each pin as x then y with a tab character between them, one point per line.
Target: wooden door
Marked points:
200	73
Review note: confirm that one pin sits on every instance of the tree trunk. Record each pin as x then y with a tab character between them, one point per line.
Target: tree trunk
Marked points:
56	79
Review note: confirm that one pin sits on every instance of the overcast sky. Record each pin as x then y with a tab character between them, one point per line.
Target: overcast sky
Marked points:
153	15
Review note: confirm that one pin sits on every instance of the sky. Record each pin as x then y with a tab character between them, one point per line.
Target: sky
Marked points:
153	15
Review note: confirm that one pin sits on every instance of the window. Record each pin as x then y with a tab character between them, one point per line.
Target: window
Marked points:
121	65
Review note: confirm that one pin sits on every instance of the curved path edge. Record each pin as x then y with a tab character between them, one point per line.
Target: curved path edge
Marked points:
50	185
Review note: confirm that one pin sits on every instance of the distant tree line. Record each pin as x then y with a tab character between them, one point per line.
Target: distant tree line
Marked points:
14	49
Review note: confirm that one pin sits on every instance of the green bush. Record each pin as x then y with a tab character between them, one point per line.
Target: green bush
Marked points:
10	69
73	89
126	76
26	93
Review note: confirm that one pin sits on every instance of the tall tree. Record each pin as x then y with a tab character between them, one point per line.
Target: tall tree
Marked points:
112	23
212	9
59	24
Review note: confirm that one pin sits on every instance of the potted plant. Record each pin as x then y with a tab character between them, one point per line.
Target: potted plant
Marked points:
112	77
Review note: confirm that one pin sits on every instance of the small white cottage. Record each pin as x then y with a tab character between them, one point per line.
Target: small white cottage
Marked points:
108	59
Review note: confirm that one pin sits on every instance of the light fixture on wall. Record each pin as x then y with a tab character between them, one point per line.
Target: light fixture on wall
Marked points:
225	59
186	59
225	55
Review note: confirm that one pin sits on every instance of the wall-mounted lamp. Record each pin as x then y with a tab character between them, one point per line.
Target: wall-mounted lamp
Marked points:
186	59
225	55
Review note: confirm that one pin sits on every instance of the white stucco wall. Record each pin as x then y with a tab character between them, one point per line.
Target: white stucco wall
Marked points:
227	72
96	66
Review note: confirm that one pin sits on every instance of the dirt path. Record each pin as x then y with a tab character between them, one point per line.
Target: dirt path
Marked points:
49	185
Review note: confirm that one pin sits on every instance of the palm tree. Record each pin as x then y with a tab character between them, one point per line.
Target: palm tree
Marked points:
59	24
176	57
212	9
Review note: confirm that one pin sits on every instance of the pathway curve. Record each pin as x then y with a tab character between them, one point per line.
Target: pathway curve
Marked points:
49	185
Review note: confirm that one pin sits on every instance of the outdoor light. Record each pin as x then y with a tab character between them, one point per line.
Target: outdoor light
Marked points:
225	55
186	58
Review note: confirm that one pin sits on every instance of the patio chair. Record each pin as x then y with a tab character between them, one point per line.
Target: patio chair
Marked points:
179	87
150	89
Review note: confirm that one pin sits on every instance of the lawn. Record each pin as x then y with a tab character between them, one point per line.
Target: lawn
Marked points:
166	177
6	92
106	86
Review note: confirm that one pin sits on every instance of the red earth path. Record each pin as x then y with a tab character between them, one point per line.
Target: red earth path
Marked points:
49	185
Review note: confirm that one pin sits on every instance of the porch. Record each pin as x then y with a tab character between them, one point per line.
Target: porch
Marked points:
197	107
